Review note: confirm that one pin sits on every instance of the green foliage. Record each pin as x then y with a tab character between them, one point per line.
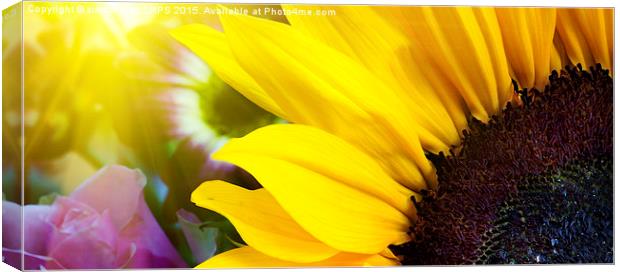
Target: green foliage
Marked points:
205	239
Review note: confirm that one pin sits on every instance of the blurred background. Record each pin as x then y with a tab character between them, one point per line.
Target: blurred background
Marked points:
104	83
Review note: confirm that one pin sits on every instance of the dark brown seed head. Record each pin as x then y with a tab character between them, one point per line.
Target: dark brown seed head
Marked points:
534	185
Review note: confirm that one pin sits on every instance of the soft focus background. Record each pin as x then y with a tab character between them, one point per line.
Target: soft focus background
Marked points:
106	84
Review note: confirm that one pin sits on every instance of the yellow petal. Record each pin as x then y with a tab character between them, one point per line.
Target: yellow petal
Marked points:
248	257
424	78
559	58
573	40
464	53
261	222
587	35
528	39
378	260
211	46
597	27
357	31
327	193
364	35
326	154
317	85
244	257
487	20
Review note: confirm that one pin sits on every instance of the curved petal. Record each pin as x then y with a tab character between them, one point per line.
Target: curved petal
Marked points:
559	57
122	188
365	36
317	85
154	247
261	222
36	233
357	31
417	71
528	38
211	45
587	35
487	20
11	229
245	257
463	51
326	154
332	210
354	30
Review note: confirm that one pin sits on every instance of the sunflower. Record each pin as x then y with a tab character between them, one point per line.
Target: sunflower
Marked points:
373	93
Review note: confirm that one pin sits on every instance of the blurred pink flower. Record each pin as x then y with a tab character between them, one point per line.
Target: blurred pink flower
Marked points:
104	223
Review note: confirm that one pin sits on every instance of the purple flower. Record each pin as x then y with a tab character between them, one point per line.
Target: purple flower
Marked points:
104	223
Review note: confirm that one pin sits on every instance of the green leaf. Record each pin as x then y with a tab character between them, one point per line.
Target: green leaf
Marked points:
202	240
48	199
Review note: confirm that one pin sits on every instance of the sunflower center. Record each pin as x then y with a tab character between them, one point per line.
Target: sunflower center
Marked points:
534	185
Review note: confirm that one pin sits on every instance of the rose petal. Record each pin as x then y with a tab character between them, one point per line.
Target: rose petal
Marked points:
36	234
90	242
114	188
144	232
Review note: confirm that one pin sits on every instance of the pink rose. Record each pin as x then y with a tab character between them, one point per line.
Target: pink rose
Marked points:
36	228
104	223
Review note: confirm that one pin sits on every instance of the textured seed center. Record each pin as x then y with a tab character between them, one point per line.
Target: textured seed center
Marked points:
534	185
